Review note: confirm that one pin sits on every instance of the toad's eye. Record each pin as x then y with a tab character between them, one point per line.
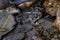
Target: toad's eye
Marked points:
24	3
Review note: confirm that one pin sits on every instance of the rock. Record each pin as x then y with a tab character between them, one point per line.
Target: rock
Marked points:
17	36
4	4
6	23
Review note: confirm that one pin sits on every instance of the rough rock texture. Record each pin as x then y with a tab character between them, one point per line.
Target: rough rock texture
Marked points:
6	23
33	24
4	3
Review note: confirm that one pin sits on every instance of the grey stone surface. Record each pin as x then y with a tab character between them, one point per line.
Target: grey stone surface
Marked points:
6	22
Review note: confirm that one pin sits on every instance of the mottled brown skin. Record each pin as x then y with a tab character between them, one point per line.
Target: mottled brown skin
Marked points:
57	21
53	8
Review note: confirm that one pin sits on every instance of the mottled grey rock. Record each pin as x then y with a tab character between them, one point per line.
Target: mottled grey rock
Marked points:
4	3
17	36
46	24
30	34
6	23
